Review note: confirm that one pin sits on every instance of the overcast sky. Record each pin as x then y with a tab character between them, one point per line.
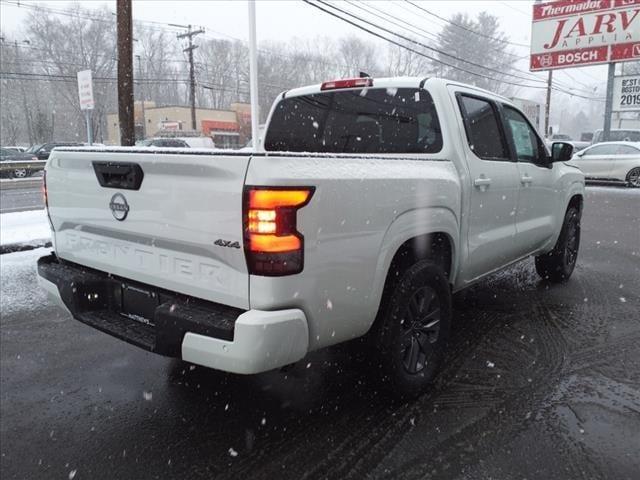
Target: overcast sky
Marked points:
285	19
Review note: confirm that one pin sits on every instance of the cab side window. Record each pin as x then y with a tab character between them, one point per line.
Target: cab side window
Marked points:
527	145
483	129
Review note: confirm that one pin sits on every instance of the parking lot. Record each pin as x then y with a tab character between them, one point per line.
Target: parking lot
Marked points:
542	381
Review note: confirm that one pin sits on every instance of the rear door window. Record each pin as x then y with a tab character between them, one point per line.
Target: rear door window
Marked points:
484	134
371	120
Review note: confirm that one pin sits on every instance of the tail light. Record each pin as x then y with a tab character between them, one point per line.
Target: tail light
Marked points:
347	83
44	190
273	245
45	197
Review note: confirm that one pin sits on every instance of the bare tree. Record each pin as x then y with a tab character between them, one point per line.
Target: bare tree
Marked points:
358	56
84	40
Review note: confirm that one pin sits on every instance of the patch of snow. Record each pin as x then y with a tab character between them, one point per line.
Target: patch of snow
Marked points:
18	277
28	227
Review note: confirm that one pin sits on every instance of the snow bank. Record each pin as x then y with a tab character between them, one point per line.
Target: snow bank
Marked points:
24	228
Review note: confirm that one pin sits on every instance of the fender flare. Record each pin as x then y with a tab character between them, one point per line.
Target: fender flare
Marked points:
576	188
410	224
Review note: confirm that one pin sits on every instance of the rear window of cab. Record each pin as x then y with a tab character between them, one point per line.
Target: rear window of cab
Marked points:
367	120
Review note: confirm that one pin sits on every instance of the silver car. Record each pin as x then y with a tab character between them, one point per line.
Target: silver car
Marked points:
610	161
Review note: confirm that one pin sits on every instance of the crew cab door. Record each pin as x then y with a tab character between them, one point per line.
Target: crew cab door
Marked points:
537	200
493	186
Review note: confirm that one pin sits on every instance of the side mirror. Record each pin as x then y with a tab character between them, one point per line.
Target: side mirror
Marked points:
561	151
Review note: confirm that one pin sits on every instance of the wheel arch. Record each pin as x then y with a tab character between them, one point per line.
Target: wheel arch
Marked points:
416	235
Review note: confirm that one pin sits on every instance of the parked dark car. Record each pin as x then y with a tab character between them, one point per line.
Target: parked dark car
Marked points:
44	150
13	156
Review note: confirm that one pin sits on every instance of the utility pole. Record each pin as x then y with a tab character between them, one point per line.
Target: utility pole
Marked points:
144	120
125	73
192	74
253	75
608	106
548	104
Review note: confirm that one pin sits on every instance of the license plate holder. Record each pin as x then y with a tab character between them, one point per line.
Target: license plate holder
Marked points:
139	304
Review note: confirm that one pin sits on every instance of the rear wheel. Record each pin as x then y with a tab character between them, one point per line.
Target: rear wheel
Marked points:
414	329
558	265
633	178
19	173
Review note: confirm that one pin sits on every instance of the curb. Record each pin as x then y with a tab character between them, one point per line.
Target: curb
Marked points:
23	247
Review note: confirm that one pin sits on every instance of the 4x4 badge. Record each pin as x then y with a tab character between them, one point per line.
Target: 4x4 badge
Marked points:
226	243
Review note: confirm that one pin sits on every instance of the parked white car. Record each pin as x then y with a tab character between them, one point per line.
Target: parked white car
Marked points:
369	202
610	161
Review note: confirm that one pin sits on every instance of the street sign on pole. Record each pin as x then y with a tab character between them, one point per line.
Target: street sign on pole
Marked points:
573	33
85	94
85	90
626	93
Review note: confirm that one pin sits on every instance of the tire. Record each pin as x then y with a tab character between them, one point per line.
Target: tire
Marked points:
20	173
413	330
558	265
633	178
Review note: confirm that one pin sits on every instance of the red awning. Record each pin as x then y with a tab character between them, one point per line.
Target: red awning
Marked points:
218	125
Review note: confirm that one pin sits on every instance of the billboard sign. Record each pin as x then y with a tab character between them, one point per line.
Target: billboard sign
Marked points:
572	33
85	90
626	93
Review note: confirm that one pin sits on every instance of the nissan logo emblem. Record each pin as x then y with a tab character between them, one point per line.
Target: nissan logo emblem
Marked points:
119	207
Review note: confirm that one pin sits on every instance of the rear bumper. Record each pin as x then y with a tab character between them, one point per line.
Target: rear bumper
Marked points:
167	323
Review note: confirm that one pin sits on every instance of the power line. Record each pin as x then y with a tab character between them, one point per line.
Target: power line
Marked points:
532	76
404	22
508	4
434	59
437	50
470	30
375	34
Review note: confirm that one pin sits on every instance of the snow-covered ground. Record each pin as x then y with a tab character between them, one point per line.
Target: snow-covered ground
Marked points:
24	228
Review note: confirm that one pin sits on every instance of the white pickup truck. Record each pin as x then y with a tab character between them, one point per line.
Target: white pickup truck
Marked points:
368	203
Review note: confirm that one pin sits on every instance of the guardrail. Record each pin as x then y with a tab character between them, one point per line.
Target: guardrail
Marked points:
21	168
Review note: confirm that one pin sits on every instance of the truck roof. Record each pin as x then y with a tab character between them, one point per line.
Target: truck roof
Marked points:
398	82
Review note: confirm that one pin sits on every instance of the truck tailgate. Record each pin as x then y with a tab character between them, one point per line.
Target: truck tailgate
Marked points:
164	233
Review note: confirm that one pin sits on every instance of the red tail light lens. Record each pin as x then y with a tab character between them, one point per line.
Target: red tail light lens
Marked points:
44	190
273	245
45	197
347	83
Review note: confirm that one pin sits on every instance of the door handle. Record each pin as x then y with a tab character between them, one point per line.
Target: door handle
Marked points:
482	182
526	179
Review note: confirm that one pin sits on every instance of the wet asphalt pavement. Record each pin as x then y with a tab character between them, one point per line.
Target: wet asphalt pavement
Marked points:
542	382
21	195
